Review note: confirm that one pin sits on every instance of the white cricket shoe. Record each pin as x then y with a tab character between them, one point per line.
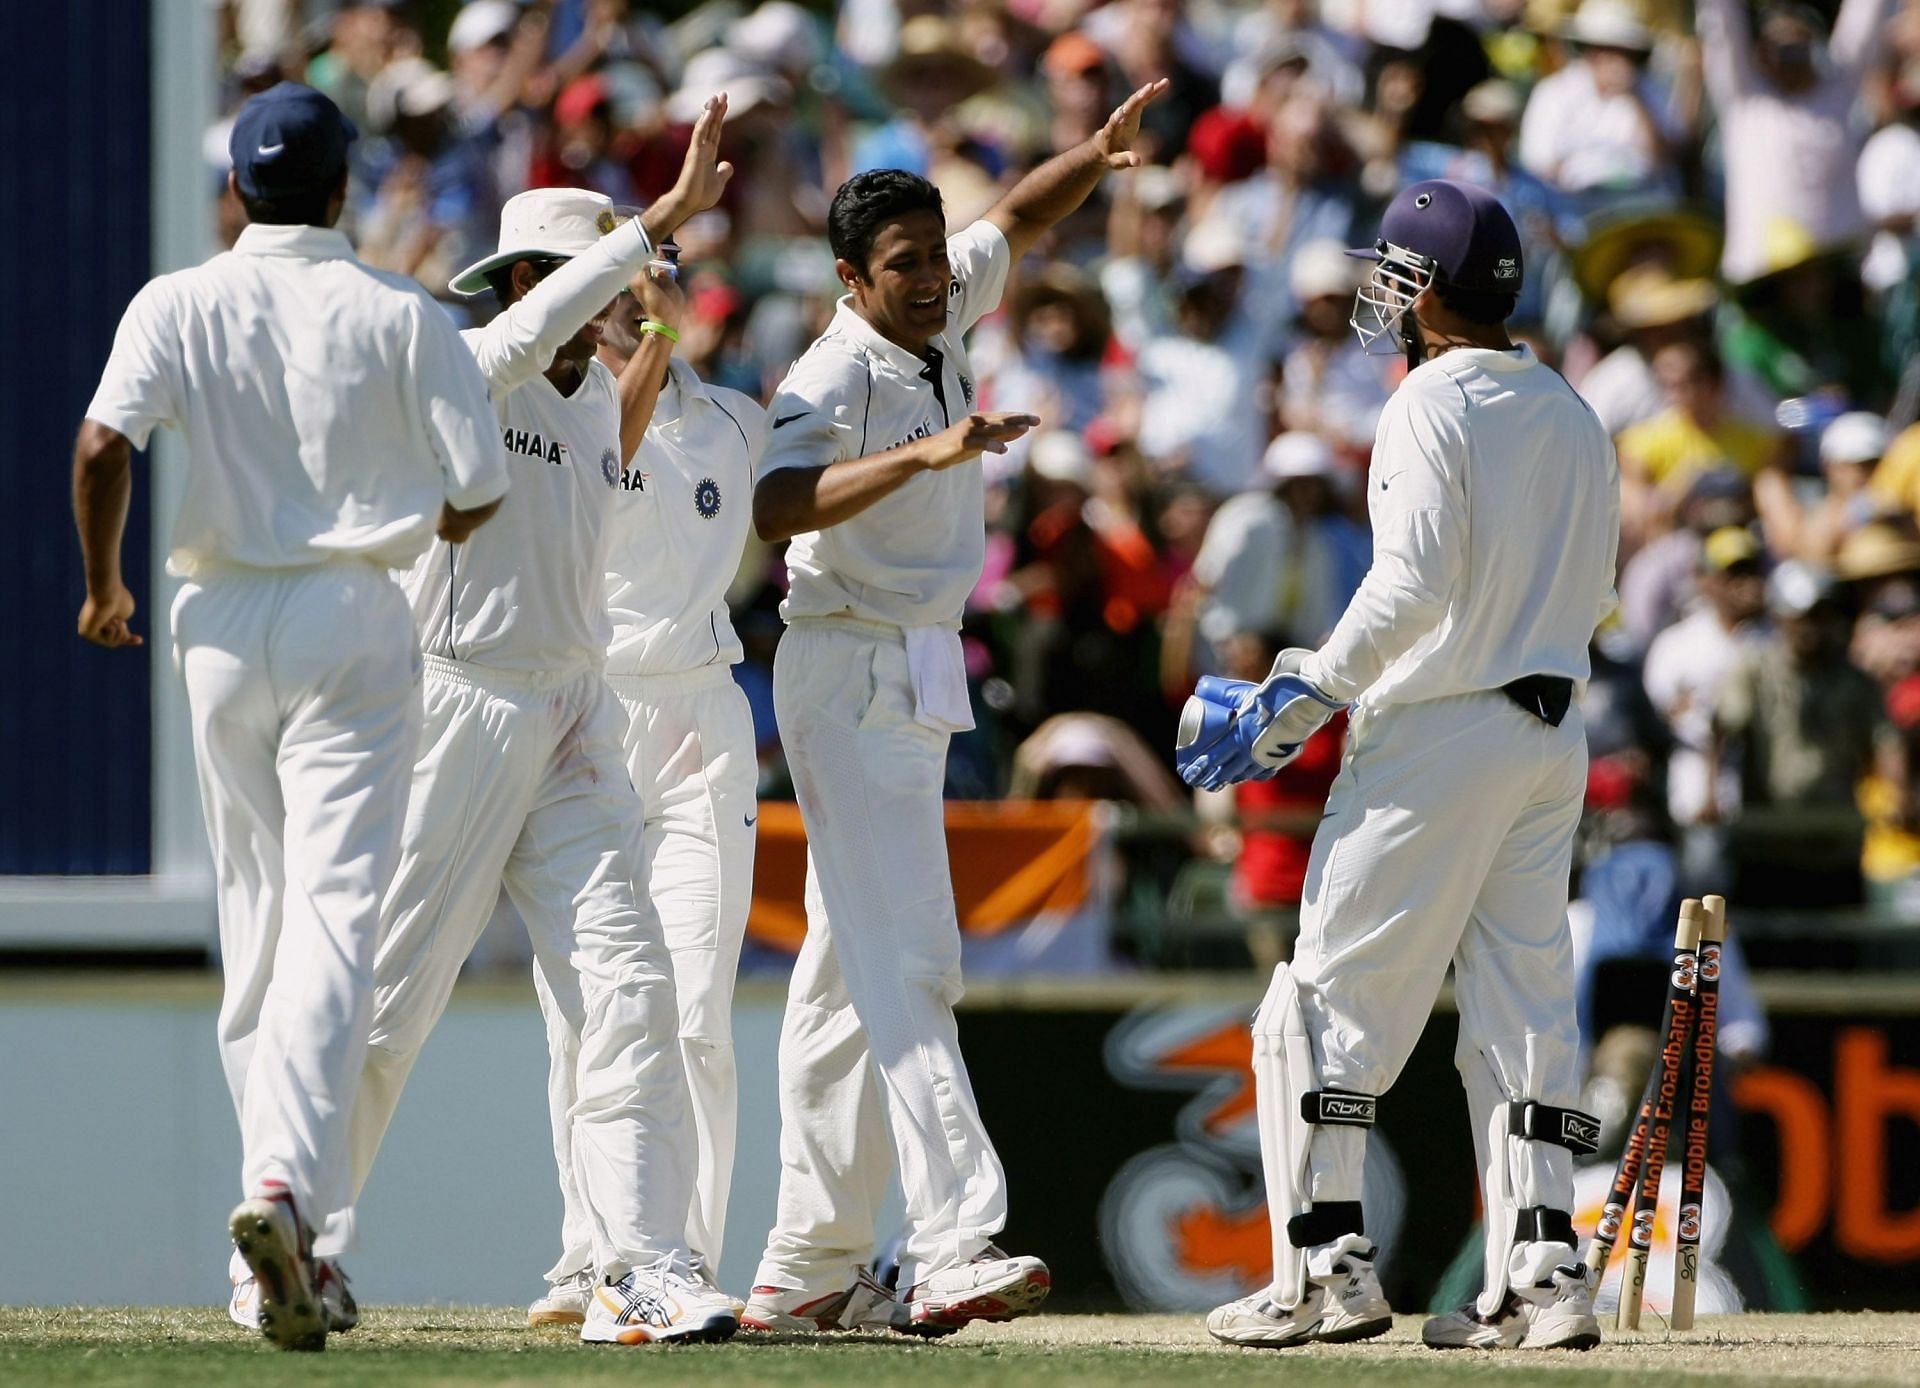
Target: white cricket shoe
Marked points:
704	1276
277	1248
661	1303
243	1304
866	1305
992	1287
1556	1314
1345	1305
565	1301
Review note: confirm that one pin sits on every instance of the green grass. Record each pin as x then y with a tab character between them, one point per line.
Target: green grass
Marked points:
428	1347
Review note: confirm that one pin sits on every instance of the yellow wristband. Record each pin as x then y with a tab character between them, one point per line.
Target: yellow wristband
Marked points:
660	330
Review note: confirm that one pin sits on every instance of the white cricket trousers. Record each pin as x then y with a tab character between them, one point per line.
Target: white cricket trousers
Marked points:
870	1065
690	752
519	781
303	687
1447	839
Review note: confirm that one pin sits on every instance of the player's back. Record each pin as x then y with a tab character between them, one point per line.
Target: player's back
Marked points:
294	372
1531	473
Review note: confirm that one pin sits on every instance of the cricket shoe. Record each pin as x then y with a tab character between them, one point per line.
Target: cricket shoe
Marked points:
1555	1314
866	1305
704	1276
343	1312
992	1287
565	1302
277	1249
1344	1305
658	1304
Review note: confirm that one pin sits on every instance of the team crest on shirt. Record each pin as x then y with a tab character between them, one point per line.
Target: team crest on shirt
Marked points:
610	467
706	498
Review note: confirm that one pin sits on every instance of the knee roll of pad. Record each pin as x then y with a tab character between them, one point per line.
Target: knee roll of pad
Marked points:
1540	1224
1578	1132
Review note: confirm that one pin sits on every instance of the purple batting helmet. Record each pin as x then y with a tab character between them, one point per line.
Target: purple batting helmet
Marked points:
1435	232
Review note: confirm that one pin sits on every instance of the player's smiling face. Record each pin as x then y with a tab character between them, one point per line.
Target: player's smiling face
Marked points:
903	290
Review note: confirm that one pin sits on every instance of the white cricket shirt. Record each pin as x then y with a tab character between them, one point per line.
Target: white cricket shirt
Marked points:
911	558
328	408
525	592
679	523
1495	502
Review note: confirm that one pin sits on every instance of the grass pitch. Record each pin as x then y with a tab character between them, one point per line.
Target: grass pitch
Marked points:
429	1347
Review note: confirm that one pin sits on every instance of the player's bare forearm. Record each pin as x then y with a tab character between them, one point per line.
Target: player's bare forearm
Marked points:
457	525
640	383
1059	186
795	501
102	493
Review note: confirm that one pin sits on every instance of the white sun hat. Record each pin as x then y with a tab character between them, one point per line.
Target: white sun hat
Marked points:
553	222
1061	455
1858	436
1298	454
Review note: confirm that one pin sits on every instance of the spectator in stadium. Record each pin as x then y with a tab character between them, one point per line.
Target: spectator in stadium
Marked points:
1660	456
1657	585
1651	308
1601	126
437	202
1785	117
1880	562
1888	181
1686	668
1143	245
1329	384
1152	39
1850	449
1804	326
1280	558
1201	416
1060	334
1799	726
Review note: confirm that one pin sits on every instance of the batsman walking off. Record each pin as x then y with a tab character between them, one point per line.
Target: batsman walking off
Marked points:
1448	836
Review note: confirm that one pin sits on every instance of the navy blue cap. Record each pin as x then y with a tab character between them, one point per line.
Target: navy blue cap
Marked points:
289	139
1465	233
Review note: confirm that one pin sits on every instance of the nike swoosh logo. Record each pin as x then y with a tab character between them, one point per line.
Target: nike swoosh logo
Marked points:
786	419
268	151
752	820
1385	480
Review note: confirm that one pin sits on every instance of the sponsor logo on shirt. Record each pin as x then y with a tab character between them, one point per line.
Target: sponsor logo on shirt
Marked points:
925	431
966	389
634	480
534	446
706	498
610	467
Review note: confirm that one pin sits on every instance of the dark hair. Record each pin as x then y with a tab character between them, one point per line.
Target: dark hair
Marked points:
304	209
868	201
1482	307
500	278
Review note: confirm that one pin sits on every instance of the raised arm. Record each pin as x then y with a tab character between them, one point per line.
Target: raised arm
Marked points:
1726	50
1859	34
641	379
1060	185
520	343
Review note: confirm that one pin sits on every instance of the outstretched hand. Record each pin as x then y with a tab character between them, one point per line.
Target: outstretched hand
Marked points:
1115	138
703	175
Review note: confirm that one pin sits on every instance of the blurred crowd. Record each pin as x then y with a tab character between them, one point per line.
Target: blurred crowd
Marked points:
1718	201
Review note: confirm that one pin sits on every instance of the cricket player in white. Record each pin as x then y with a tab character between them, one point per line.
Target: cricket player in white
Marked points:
1448	836
332	417
871	470
520	779
676	534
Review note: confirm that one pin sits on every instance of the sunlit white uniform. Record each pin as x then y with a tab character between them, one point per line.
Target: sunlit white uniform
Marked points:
678	526
1448	835
328	411
520	782
868	687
